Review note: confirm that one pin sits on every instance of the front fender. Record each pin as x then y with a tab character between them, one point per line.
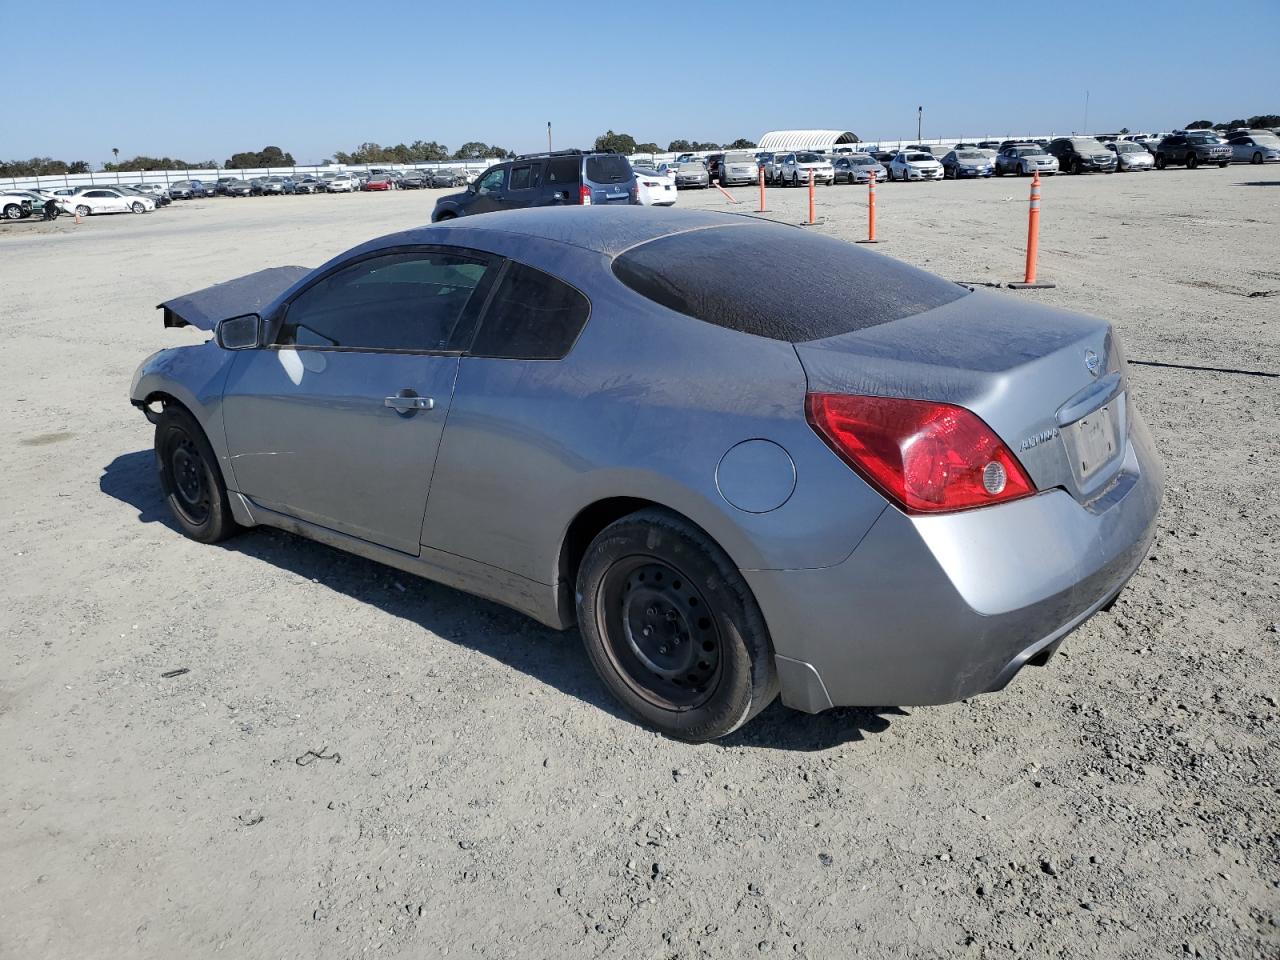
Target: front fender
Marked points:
195	377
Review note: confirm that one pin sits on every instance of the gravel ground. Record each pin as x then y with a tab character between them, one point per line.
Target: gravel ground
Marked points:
360	763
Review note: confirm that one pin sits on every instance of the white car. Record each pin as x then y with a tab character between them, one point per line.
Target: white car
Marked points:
91	200
793	169
914	165
655	189
342	183
739	166
1254	146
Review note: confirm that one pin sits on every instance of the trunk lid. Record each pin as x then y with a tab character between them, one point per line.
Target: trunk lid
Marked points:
1049	382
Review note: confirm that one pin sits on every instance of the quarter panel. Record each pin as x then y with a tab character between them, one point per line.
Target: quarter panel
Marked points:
645	405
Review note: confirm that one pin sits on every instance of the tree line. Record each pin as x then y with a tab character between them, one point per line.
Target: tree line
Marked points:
1262	120
421	151
625	143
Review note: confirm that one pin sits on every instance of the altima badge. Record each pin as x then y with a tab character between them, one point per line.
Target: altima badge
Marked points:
1092	362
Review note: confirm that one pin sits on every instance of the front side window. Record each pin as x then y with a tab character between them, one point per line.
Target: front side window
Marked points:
492	181
532	316
401	301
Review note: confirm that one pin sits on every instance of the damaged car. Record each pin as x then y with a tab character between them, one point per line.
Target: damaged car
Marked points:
745	460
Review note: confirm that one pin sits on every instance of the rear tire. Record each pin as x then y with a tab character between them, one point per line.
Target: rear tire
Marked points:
191	478
1222	164
138	207
1192	161
1161	162
1256	159
13	211
673	629
83	211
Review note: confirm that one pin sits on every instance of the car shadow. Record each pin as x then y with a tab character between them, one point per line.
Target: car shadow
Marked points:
553	657
1259	183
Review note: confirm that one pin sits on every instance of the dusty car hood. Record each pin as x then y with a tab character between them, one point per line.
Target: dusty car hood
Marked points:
249	294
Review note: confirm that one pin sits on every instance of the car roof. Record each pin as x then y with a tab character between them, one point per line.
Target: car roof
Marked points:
605	229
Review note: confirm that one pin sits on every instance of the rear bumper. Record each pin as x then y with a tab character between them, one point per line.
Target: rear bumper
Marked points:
930	610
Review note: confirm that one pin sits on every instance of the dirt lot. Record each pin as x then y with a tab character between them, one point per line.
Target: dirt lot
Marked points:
484	798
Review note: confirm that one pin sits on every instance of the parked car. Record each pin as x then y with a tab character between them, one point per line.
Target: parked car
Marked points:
1192	149
444	178
19	204
156	191
272	185
413	180
739	166
655	189
342	183
1025	159
794	169
220	187
714	505
203	188
183	190
990	145
309	185
961	164
857	168
1131	156
1082	155
1256	146
884	157
914	165
237	188
379	182
94	200
573	177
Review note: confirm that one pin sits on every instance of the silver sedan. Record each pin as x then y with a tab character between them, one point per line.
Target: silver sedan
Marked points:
743	459
1131	156
857	168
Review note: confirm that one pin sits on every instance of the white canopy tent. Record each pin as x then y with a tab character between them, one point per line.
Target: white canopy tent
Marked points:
777	140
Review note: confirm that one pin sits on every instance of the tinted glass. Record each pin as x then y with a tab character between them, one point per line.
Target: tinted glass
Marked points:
608	169
403	301
563	170
522	178
779	282
532	316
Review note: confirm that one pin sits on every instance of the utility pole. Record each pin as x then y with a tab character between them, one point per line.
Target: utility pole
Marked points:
919	122
548	136
1085	131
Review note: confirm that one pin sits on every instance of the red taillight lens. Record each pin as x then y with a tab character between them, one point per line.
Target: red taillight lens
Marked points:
584	195
926	457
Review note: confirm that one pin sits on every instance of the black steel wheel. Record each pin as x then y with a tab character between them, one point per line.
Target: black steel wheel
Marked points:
190	477
672	629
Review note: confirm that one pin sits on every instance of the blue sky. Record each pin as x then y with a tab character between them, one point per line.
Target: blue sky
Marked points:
317	77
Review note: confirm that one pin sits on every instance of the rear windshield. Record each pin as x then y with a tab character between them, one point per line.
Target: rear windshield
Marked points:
608	169
739	158
814	287
808	158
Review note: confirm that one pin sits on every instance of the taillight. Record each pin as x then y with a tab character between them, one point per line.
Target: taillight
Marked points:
584	195
926	457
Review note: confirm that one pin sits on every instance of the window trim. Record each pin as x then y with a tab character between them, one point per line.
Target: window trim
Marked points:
463	333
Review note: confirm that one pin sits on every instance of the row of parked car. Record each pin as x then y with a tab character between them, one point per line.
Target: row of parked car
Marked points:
89	200
985	159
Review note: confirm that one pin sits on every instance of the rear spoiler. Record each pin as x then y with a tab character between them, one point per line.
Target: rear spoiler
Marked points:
205	308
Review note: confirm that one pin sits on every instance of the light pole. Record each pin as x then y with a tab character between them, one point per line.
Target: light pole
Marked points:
1085	131
919	122
548	136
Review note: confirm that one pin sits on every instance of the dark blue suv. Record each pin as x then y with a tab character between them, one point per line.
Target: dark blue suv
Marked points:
544	180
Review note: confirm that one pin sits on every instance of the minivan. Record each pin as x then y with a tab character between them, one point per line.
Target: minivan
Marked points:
544	180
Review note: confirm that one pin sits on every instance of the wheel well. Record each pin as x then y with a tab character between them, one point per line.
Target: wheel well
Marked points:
584	528
147	405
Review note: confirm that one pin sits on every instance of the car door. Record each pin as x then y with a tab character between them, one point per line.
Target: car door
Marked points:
491	192
338	420
524	185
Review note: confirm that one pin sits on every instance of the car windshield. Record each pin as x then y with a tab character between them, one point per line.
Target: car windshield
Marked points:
1087	143
1027	151
917	157
739	158
1267	139
862	160
691	166
1129	148
808	158
970	155
1202	138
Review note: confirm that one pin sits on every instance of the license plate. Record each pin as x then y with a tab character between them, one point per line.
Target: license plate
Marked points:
1096	439
614	196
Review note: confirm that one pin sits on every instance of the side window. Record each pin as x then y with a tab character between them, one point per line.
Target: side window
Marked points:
564	170
492	181
532	316
401	301
525	177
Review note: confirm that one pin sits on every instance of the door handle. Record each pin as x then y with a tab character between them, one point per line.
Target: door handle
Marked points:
409	404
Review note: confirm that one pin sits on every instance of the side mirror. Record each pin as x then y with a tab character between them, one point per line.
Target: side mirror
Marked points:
239	333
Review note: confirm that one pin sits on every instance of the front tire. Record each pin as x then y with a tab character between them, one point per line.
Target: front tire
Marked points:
1192	161
673	629
191	479
13	211
138	207
83	211
1256	159
1161	162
